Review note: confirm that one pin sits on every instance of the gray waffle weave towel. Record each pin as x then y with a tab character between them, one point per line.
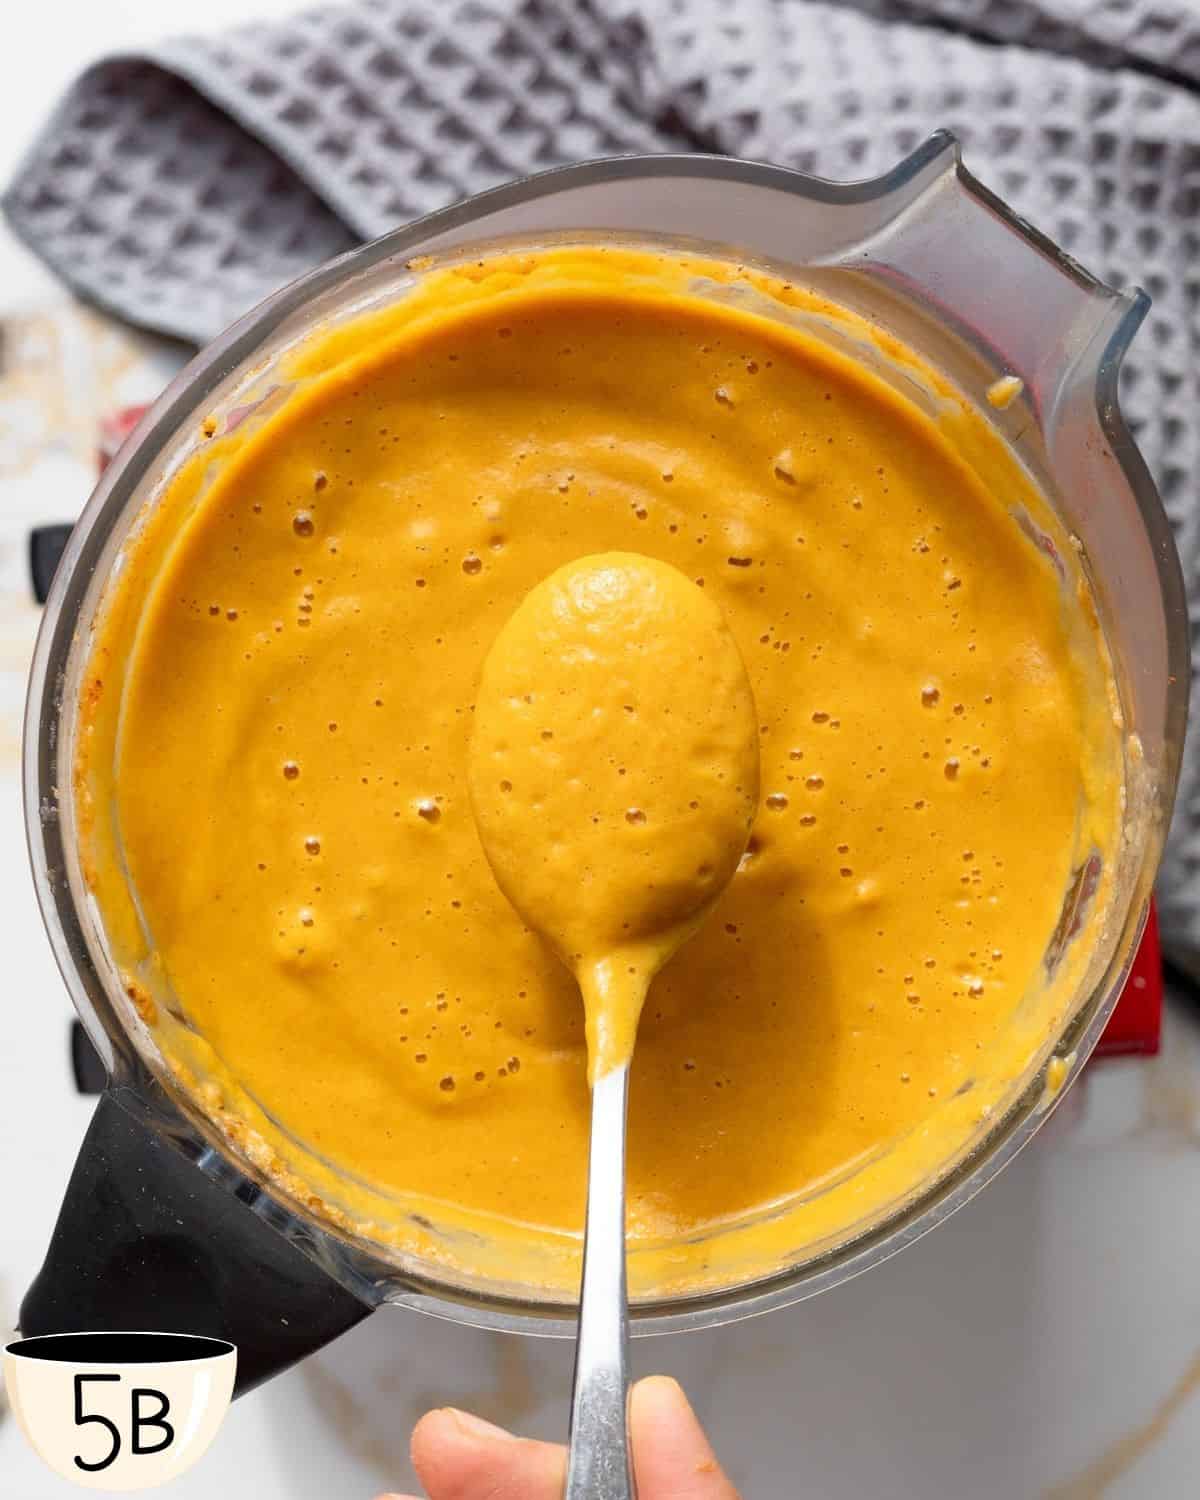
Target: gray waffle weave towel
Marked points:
179	187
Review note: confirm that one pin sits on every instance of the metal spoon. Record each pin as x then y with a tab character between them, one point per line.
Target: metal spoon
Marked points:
600	1461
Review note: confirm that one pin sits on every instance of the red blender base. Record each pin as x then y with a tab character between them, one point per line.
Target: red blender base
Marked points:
1135	1025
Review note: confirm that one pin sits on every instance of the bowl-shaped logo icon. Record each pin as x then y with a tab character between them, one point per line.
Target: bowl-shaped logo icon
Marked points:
119	1411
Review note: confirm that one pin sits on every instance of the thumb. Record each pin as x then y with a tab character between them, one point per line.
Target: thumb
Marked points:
672	1457
459	1457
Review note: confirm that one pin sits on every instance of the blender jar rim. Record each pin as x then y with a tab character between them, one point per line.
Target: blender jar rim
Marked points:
358	1263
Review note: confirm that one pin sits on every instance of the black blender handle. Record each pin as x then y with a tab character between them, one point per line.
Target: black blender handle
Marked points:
87	1068
46	547
146	1241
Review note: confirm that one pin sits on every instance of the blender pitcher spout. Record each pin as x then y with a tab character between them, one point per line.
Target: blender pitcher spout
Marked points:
945	240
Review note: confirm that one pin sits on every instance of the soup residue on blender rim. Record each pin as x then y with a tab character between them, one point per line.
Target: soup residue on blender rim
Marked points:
273	755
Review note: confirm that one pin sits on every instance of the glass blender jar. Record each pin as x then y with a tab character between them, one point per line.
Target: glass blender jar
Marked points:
169	1221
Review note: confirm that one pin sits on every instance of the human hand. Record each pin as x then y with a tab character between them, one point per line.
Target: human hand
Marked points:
459	1457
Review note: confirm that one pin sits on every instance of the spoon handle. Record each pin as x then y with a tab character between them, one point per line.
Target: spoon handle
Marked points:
600	1464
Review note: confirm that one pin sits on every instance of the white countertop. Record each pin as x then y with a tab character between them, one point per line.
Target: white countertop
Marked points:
1045	1342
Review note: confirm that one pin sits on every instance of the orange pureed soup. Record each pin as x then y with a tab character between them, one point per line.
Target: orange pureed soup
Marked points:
276	757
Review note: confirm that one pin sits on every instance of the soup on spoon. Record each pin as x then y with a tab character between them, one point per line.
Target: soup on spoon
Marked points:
614	774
